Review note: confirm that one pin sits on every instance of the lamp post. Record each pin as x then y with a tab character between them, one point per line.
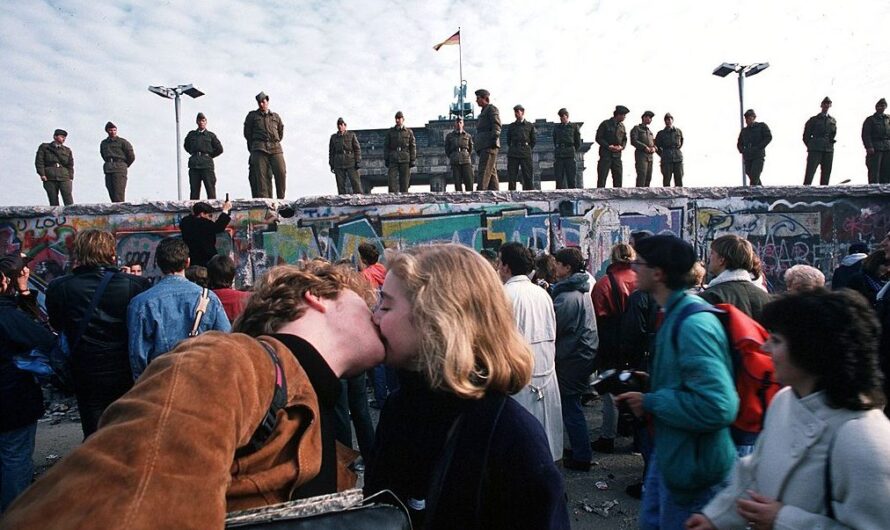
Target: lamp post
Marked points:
744	71
174	93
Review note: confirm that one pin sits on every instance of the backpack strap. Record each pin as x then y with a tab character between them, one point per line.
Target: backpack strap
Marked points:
616	293
200	310
88	315
270	419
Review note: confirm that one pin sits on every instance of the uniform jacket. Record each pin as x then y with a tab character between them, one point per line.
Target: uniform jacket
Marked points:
200	236
753	141
204	146
669	141
54	161
533	311
344	151
488	129
459	147
789	460
611	132
693	401
400	146
117	153
876	132
163	455
641	137
576	335
736	287
521	138
819	133
264	131
566	140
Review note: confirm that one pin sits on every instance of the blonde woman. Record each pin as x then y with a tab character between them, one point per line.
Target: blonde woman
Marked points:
449	442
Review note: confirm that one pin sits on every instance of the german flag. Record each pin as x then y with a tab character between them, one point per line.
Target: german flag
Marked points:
454	39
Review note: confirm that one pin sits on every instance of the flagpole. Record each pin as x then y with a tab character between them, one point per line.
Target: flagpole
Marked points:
460	62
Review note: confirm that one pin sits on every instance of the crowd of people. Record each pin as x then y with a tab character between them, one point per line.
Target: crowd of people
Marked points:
196	401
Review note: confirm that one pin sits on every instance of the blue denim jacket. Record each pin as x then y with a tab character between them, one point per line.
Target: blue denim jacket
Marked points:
160	317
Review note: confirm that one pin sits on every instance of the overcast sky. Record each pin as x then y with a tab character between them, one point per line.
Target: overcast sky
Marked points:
78	64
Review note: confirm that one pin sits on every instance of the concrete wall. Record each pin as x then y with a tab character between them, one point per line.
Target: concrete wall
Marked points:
787	225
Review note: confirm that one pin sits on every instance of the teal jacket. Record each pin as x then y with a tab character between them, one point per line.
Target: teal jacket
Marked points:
693	401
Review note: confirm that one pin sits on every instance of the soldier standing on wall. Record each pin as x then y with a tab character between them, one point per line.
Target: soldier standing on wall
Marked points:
876	138
345	157
521	138
818	136
752	143
566	142
458	149
644	144
118	156
400	150
203	146
669	141
612	139
55	167
488	141
264	130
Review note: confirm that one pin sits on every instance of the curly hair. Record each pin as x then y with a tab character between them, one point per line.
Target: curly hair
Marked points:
834	336
278	296
469	341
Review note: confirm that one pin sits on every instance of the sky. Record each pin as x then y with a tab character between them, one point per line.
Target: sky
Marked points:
77	64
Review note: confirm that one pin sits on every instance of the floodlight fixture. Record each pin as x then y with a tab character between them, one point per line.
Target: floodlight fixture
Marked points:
174	93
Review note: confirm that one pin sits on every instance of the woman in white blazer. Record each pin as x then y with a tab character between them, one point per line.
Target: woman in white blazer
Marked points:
823	459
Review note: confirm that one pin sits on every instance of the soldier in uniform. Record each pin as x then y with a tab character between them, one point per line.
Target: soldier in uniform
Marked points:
203	146
644	145
876	138
458	149
818	136
668	142
345	157
521	138
400	150
55	167
118	156
566	142
488	141
264	130
752	143
612	139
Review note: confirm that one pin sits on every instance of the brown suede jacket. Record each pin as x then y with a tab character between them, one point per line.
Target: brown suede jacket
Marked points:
163	456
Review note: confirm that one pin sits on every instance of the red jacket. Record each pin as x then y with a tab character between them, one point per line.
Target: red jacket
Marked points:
375	274
625	277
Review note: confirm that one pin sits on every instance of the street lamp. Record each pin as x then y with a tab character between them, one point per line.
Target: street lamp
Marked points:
744	71
174	93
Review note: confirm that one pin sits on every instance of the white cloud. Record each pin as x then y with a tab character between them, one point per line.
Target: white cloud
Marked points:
76	65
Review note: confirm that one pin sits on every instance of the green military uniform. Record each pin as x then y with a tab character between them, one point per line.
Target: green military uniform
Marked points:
566	142
876	137
264	132
488	142
400	150
818	135
118	156
669	141
345	158
752	143
55	166
458	148
642	139
203	146
610	132
521	138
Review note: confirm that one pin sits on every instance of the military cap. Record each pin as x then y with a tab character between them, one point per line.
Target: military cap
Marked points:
668	115
261	96
200	117
110	125
482	93
881	101
562	111
750	112
621	109
341	121
649	113
61	132
400	115
519	107
826	100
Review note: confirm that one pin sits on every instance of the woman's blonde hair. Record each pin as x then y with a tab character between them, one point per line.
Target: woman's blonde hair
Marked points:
469	342
623	253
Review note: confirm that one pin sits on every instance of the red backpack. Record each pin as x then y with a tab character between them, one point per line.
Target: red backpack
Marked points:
753	369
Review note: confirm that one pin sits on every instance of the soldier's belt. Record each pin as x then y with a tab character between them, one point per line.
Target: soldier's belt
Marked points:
519	144
57	165
398	148
463	149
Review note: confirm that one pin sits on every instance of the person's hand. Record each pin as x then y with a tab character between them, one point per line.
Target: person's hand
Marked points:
227	207
634	401
42	178
870	151
699	522
21	282
759	511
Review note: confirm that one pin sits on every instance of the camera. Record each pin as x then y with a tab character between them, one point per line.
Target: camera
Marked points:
617	382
